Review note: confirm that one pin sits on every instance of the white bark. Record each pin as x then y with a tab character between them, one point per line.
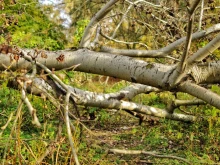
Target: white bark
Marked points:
122	67
201	93
163	52
161	76
179	74
99	63
103	101
201	15
205	51
114	101
112	65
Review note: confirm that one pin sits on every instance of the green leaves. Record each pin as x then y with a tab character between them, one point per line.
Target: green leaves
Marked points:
29	27
80	27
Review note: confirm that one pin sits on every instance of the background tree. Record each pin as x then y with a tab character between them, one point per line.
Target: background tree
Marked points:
156	45
24	24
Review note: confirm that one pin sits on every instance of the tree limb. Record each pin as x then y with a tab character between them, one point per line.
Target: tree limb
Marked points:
201	15
153	74
66	114
201	93
98	16
118	41
177	103
205	51
163	52
182	66
107	101
154	154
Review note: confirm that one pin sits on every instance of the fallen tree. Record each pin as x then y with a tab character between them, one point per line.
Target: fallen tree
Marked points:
157	75
191	74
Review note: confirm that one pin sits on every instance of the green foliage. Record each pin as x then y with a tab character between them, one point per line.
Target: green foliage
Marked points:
216	89
202	43
104	116
198	142
80	27
24	24
29	141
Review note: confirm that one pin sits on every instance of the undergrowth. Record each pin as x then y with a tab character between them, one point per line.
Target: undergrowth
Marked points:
23	143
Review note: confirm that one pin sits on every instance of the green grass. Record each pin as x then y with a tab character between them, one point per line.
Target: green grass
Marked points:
198	142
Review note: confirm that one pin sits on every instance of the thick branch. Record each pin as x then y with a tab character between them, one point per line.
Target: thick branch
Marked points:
100	100
172	105
112	65
178	103
201	93
163	52
179	74
122	67
205	51
210	73
107	101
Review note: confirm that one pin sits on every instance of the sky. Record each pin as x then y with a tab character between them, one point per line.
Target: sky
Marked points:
49	2
62	14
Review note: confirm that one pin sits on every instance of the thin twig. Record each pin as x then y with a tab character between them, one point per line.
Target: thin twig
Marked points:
51	148
201	15
155	154
182	67
66	114
8	121
85	42
123	42
29	105
12	130
95	42
30	150
122	19
150	4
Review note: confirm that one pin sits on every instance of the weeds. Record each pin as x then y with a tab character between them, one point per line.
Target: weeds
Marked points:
198	142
